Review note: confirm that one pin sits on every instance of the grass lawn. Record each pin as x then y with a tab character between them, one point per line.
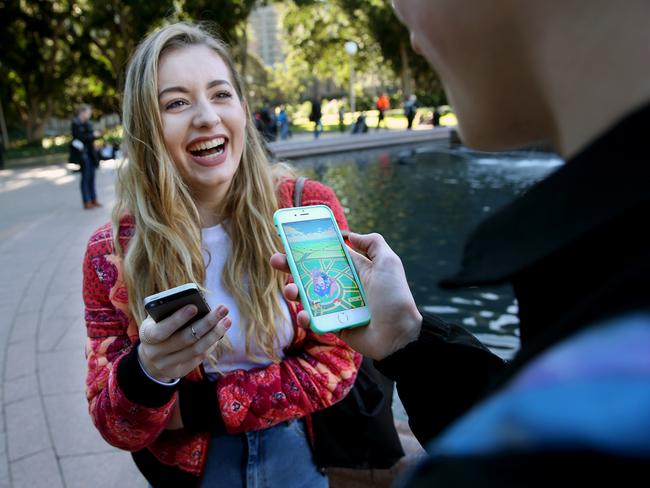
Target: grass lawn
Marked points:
394	119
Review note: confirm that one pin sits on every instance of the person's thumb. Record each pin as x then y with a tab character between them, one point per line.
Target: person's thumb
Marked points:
361	263
368	244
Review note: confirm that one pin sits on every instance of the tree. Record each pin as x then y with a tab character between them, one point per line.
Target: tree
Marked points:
230	23
378	17
316	33
111	31
376	23
42	36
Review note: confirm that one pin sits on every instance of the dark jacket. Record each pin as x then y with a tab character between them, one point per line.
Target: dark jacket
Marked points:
315	114
84	132
576	251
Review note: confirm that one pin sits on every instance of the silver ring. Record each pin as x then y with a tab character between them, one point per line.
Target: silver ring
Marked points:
143	336
196	336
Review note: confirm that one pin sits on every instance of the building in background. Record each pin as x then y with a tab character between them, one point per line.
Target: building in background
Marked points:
265	25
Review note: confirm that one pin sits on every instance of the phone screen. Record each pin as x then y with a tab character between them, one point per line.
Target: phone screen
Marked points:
323	267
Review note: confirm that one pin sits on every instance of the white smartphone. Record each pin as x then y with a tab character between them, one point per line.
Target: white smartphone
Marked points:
329	287
162	305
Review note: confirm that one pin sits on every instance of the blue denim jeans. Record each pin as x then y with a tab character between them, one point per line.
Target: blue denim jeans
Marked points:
318	128
278	457
88	180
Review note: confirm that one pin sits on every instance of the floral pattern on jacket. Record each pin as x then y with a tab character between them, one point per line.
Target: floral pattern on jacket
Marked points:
316	372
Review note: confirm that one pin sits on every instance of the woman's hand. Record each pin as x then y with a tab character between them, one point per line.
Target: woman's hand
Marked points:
168	350
395	318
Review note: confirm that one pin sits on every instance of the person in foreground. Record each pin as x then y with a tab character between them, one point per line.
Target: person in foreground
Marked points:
222	402
574	404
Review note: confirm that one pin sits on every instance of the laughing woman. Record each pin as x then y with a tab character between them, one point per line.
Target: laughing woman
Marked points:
195	204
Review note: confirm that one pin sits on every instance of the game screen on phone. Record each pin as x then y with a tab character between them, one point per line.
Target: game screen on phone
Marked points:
324	271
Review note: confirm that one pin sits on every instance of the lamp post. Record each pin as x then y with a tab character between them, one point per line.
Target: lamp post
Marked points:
351	48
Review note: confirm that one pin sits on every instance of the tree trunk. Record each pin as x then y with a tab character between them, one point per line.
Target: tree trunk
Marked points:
35	121
243	46
34	130
3	128
406	77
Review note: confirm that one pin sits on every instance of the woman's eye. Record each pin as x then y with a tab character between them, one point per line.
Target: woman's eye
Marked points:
174	104
223	94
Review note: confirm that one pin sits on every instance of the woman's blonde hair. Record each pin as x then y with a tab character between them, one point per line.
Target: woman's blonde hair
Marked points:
166	249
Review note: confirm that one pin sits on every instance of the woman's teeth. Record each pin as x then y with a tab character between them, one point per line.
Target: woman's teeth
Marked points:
207	148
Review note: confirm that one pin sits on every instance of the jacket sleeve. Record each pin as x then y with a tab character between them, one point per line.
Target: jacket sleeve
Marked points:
128	409
440	375
318	372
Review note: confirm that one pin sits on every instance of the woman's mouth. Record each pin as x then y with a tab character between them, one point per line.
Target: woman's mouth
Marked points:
209	152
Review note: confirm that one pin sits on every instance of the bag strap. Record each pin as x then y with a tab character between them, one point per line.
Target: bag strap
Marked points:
297	191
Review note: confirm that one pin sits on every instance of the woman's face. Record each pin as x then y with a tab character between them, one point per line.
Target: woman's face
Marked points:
472	45
203	119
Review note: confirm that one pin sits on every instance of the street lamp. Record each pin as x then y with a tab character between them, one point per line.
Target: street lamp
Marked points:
351	48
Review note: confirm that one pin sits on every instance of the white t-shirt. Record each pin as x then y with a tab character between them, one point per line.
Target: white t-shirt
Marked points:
216	249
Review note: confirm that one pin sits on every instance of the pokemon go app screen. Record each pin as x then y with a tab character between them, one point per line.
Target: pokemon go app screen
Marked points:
324	270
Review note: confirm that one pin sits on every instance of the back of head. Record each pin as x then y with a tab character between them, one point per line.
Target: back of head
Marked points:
83	112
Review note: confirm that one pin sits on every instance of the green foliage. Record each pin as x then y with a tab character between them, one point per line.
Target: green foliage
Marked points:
111	30
316	33
228	20
42	57
57	54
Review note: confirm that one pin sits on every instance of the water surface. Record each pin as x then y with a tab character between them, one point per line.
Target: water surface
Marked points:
424	200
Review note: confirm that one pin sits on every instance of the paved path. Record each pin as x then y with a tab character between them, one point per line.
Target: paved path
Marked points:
46	436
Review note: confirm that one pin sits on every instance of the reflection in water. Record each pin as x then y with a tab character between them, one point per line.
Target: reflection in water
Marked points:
425	200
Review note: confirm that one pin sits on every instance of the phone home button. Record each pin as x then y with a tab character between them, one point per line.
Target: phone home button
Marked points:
343	317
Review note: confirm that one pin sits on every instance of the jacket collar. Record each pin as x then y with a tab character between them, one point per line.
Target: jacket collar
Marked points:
608	177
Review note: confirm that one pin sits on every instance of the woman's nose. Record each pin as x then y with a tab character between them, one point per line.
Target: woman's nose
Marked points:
206	114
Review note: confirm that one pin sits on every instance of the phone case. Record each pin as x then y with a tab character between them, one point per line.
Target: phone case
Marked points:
294	270
166	305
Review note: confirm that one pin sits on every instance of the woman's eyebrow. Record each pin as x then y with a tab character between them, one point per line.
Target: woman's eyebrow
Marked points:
182	89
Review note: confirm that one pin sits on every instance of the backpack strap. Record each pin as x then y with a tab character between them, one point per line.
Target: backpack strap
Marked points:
297	191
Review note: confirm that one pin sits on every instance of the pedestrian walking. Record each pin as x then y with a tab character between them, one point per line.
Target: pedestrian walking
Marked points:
283	122
315	116
82	152
383	104
410	109
435	117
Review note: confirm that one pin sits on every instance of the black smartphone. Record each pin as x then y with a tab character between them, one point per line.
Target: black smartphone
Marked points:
162	305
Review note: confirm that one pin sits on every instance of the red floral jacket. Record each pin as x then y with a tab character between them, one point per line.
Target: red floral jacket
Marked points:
131	412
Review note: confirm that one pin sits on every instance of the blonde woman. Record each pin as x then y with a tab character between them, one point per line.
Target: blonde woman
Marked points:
195	204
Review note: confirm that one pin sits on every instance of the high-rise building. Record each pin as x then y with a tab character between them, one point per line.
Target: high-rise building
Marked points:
266	41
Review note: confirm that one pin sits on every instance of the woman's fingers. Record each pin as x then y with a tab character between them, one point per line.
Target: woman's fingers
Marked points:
175	355
152	332
183	361
189	335
303	319
279	262
290	292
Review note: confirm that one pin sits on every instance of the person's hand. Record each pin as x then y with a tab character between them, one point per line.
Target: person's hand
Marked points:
395	318
168	350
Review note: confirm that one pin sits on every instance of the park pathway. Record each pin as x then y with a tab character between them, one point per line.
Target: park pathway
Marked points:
46	436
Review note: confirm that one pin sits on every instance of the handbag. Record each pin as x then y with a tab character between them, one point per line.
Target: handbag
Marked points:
359	431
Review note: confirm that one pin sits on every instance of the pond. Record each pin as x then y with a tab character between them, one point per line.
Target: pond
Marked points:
425	200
